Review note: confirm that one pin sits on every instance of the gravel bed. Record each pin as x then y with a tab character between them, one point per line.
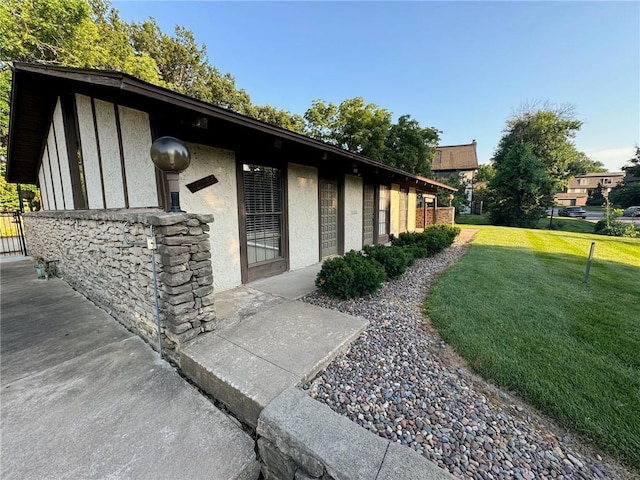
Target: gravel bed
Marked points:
402	382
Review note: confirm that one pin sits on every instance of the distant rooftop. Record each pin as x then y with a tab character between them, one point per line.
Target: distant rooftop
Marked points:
455	157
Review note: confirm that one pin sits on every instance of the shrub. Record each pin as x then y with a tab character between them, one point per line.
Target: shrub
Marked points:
616	228
432	240
393	259
451	231
353	275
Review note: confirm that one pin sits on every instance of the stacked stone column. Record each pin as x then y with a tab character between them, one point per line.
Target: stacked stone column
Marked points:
103	254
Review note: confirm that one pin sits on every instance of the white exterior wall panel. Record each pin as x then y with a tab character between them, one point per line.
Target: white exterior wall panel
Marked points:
139	169
61	140
304	233
110	154
56	182
89	152
42	184
352	213
221	200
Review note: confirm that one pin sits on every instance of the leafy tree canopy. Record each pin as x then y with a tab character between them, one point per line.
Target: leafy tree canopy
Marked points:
91	34
368	129
627	192
521	188
549	131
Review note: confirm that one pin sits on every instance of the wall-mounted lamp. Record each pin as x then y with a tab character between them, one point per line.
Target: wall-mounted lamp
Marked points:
172	157
28	195
450	197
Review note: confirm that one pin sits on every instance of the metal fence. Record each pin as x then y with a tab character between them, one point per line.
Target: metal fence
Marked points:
12	234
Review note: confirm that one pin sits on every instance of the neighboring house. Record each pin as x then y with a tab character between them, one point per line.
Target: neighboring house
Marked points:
282	201
581	187
461	160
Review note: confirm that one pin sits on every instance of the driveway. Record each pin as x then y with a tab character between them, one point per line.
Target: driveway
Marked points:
82	397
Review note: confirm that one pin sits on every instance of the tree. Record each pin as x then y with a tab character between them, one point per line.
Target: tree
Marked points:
627	192
460	200
411	147
582	164
367	129
521	187
549	132
352	125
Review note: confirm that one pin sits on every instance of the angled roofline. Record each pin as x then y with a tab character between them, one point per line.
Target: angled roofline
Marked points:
132	85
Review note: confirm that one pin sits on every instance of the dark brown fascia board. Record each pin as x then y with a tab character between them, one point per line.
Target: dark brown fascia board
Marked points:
128	83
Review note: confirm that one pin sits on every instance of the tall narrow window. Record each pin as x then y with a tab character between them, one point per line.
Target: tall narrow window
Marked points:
404	210
383	211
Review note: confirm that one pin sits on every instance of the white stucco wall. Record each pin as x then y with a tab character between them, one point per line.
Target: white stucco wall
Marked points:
46	174
413	201
352	213
139	169
61	140
43	186
221	200
89	152
395	209
56	181
304	234
110	154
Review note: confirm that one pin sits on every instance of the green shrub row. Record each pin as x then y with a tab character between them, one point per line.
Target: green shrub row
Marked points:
616	228
357	274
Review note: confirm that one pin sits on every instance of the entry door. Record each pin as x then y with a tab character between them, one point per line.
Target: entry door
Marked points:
264	228
368	214
328	217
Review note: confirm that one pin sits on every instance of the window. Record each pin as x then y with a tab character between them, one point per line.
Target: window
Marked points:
583	181
404	210
436	158
606	181
263	203
383	211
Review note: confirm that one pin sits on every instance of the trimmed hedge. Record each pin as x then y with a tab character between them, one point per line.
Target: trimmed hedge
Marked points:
394	260
357	274
353	275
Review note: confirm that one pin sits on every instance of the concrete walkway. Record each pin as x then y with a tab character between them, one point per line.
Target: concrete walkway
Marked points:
268	342
82	397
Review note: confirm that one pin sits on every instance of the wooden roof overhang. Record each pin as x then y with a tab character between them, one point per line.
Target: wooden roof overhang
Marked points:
35	90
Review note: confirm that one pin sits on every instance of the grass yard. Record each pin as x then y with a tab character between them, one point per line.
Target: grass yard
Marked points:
516	308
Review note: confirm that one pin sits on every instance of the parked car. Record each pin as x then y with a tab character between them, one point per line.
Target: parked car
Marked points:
577	212
632	211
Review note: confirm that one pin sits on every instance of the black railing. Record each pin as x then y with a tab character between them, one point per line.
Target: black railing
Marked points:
12	234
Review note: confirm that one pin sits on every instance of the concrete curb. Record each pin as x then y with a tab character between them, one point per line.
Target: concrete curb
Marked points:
302	438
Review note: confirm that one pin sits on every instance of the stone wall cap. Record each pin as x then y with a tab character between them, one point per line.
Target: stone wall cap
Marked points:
146	216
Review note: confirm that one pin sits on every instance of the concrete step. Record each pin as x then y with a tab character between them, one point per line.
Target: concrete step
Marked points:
250	363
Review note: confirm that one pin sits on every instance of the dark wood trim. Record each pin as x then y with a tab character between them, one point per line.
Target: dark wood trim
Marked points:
123	168
74	151
53	187
55	141
273	267
95	129
162	186
242	222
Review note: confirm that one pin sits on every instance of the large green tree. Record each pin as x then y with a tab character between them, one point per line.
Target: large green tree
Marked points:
368	129
521	187
627	193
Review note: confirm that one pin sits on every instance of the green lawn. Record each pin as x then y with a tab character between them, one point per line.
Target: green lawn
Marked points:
516	308
558	223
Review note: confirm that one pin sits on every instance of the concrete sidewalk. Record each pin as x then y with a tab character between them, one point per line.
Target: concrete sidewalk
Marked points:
82	397
268	341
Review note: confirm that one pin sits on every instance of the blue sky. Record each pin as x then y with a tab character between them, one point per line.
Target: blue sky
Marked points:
462	67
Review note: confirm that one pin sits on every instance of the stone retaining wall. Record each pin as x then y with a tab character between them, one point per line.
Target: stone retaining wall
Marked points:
115	272
300	438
